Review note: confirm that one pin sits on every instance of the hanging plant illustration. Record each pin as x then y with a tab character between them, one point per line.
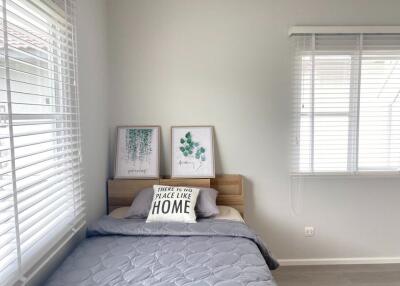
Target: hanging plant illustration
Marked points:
138	142
190	148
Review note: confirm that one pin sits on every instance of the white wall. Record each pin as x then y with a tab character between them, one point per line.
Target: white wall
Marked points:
226	63
94	106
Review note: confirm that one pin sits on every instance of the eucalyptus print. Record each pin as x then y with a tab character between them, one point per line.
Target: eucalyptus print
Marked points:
191	148
192	152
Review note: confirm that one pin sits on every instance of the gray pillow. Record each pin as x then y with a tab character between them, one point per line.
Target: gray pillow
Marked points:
141	204
206	205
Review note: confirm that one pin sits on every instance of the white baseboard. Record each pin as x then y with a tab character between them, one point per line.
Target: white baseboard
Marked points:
339	261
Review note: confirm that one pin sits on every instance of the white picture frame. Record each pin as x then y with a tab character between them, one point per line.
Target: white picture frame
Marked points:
137	153
192	152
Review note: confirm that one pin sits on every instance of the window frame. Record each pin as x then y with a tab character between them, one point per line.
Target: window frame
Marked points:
353	114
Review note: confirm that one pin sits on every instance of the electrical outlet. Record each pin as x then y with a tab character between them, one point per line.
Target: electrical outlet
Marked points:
309	231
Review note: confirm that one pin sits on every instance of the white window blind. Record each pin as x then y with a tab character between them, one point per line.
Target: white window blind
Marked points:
41	194
346	105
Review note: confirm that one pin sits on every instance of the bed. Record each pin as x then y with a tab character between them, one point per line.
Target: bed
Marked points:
132	252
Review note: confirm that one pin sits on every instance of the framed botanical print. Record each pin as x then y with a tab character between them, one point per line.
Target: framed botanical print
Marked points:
137	152
192	152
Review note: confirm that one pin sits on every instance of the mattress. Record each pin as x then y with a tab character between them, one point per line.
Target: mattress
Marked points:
132	252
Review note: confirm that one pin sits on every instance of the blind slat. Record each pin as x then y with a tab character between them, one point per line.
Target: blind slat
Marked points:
64	138
46	168
29	65
40	165
17	34
26	192
346	107
68	129
41	151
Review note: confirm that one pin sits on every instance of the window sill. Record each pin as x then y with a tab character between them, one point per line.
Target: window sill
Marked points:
30	274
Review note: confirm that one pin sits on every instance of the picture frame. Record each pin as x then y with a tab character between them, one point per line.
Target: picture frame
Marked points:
137	154
192	152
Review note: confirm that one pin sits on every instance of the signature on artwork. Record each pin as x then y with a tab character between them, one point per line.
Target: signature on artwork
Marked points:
187	163
136	171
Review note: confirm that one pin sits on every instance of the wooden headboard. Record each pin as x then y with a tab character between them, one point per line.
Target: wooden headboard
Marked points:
230	189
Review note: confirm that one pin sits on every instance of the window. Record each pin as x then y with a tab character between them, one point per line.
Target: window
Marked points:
347	105
41	195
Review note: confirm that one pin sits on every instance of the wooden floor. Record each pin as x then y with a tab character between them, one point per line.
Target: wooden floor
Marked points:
339	275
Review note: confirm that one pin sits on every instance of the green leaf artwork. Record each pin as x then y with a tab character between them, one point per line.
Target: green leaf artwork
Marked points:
138	142
191	148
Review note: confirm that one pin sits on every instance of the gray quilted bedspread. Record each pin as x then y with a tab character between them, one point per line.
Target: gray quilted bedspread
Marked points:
132	252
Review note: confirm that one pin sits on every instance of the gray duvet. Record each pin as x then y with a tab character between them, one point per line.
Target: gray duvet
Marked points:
132	252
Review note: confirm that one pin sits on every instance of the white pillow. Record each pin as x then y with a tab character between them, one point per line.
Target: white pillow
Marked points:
119	212
173	204
228	213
